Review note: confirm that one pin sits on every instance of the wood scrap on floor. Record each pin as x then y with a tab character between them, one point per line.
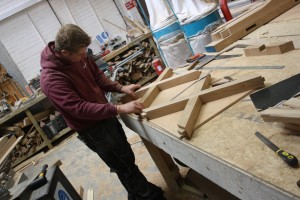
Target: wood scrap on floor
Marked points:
244	24
272	49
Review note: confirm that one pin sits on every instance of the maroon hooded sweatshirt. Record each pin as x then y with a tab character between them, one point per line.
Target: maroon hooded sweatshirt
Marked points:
76	89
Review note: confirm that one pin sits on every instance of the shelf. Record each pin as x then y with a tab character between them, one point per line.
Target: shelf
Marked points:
61	133
19	161
126	47
40	147
22	108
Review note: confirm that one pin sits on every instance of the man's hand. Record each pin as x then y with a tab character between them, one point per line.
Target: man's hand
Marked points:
129	89
131	107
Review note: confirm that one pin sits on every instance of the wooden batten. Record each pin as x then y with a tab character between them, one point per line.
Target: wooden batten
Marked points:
189	117
293	103
281	115
150	95
167	73
171	82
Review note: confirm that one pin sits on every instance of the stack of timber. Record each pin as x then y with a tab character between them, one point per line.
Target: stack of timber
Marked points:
28	145
288	114
137	69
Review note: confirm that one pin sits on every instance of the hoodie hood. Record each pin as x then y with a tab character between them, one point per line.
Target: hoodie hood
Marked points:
52	59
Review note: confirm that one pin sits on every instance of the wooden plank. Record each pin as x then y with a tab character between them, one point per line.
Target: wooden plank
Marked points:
273	49
281	115
211	94
295	127
167	73
212	109
293	103
90	194
189	116
171	82
168	169
150	95
39	129
241	26
11	147
3	141
80	192
7	146
191	111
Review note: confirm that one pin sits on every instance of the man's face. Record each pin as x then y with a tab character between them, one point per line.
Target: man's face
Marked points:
75	57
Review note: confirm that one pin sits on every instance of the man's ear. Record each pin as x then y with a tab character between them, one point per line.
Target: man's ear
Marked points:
65	53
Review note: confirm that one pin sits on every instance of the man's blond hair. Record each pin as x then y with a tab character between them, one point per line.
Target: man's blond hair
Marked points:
71	38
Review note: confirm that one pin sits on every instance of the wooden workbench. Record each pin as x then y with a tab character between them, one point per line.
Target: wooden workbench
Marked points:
225	150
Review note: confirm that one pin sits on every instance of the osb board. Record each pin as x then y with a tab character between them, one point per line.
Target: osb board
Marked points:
230	135
277	29
291	14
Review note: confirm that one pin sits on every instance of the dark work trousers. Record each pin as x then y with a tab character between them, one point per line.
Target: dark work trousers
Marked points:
109	141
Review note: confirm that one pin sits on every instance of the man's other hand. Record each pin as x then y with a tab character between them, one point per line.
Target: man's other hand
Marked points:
129	89
130	107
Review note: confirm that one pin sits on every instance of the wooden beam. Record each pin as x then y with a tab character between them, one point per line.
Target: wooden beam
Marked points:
293	103
281	115
294	127
189	117
165	164
192	109
7	145
171	82
3	141
167	73
90	194
150	95
241	26
10	149
211	94
269	50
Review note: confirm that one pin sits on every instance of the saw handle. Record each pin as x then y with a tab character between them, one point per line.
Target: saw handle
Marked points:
290	159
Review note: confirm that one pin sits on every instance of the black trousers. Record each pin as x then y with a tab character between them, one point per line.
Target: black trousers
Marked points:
109	141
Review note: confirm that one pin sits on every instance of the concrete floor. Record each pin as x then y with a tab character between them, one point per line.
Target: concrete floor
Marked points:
84	168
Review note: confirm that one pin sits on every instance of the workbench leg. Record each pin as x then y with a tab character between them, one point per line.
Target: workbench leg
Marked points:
38	128
169	170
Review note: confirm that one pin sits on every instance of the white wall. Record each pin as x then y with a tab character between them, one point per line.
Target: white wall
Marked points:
25	33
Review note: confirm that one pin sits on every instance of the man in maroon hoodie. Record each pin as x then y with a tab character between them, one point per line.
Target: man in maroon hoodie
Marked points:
77	88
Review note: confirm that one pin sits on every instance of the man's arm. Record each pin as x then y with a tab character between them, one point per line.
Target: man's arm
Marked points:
64	96
110	86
